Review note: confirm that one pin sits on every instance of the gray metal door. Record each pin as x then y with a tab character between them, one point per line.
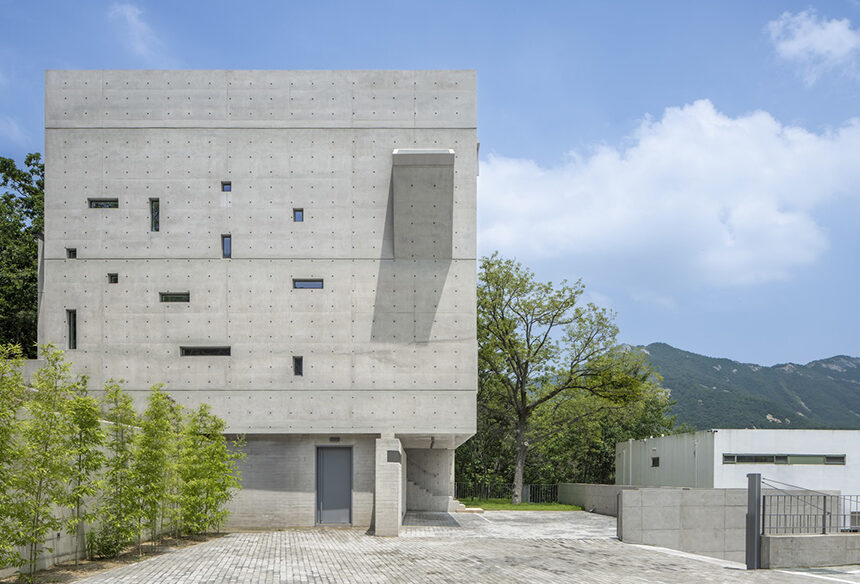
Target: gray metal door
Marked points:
334	485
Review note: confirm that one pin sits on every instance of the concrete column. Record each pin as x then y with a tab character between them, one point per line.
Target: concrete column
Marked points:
388	500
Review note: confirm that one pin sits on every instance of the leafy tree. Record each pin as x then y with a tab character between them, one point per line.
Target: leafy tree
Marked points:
11	396
209	471
540	351
43	467
86	444
119	510
155	448
585	452
21	222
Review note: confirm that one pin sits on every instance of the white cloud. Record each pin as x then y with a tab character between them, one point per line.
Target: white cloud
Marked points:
815	44
695	195
137	34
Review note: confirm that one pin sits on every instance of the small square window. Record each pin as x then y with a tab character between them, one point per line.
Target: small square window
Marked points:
655	461
113	278
71	253
298	366
226	186
298	215
226	246
315	283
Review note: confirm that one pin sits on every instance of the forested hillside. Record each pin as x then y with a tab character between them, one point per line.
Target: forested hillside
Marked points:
721	393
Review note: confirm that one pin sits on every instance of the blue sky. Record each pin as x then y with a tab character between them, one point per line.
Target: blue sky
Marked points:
696	164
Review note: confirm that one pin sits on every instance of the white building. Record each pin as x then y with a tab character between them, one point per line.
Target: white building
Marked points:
295	248
826	460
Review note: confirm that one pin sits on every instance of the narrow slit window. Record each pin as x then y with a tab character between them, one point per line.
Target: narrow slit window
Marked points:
113	278
298	366
204	351
71	253
226	186
226	246
312	283
174	296
103	203
72	325
154	215
298	215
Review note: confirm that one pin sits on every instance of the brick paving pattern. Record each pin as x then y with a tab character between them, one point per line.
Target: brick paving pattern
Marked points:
496	547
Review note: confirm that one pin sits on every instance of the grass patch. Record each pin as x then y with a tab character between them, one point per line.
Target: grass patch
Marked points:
506	505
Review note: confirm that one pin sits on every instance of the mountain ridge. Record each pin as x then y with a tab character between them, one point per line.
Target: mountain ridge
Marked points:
714	392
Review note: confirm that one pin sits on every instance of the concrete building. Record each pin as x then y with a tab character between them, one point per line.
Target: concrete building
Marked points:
823	460
295	248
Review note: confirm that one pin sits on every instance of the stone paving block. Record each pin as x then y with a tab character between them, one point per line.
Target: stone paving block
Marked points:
498	547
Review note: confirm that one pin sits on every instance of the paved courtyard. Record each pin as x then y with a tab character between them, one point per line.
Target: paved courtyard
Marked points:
496	547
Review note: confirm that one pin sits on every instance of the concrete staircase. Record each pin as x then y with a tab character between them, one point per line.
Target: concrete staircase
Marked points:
460	508
420	499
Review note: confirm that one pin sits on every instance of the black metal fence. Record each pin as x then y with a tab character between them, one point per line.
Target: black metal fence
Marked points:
536	493
810	513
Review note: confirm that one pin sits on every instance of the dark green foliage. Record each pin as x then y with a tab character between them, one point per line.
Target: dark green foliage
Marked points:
21	222
720	393
102	543
583	452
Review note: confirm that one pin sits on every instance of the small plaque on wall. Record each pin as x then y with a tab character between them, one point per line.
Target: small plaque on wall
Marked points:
393	456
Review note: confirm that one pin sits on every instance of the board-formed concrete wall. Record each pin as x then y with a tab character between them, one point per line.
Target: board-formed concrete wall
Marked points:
802	551
602	499
382	164
710	522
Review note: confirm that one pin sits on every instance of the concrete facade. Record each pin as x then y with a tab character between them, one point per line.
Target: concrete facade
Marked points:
698	459
379	166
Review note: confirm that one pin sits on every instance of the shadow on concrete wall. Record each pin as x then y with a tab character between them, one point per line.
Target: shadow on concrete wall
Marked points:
408	291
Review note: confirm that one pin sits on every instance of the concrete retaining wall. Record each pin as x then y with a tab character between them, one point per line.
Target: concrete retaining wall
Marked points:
63	551
601	499
710	522
801	551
